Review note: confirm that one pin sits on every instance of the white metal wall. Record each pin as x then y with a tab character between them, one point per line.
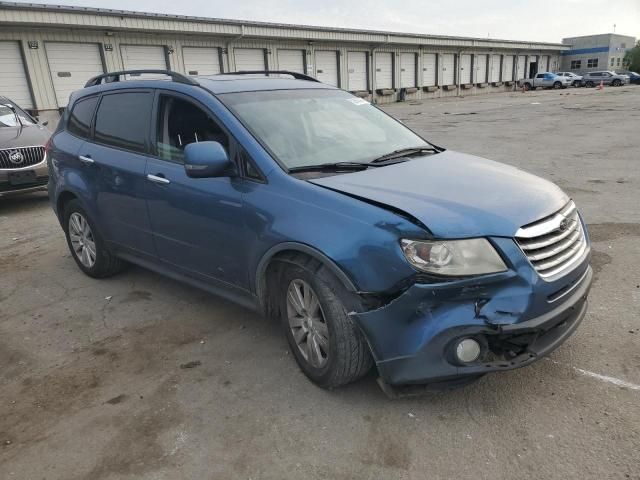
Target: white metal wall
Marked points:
357	71
448	69
429	70
13	78
407	70
481	68
292	60
384	69
465	68
201	60
71	65
327	67
522	68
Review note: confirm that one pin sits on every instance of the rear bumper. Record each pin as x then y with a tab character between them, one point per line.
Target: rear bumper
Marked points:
431	335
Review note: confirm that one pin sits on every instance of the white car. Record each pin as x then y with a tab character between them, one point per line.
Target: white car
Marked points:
576	80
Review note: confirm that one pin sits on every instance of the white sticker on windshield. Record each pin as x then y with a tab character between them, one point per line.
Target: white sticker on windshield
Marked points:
358	101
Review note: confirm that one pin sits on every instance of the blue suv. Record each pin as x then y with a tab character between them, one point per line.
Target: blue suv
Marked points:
306	203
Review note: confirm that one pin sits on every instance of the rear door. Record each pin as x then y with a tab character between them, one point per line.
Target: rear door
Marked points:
408	70
495	67
429	69
197	223
117	155
522	68
507	68
71	65
357	71
448	69
384	70
481	68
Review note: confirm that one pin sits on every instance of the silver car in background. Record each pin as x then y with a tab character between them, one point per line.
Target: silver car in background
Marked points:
605	77
576	80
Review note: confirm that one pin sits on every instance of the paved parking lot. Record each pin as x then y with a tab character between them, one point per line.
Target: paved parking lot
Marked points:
138	376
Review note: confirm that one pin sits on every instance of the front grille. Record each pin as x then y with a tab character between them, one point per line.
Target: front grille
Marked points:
555	243
12	158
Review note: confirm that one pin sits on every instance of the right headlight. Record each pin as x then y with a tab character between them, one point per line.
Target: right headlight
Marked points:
474	256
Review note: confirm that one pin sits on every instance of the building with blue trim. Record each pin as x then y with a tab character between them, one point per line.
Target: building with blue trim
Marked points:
596	52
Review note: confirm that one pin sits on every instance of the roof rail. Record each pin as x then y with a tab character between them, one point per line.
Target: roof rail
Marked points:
296	75
115	77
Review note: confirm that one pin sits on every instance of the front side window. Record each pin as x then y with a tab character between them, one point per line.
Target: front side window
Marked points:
180	123
80	117
302	128
123	120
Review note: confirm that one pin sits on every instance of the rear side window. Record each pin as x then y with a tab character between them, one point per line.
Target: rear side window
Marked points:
123	120
80	117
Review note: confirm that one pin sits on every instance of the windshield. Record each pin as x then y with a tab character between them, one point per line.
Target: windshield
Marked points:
8	118
314	127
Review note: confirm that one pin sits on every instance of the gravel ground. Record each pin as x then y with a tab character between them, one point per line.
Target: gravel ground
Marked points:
138	376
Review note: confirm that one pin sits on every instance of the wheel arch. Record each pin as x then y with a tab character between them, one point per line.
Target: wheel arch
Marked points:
282	252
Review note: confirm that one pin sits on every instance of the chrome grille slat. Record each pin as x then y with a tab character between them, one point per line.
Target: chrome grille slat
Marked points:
31	156
553	244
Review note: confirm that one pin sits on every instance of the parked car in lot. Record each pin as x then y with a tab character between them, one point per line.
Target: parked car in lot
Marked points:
545	80
634	77
576	80
592	79
22	139
304	202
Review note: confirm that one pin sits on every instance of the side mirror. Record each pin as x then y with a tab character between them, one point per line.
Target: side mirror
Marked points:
206	159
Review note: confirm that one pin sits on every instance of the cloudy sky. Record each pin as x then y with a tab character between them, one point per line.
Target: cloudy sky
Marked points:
540	20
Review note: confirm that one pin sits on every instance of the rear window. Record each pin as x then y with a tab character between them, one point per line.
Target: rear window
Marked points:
123	120
80	117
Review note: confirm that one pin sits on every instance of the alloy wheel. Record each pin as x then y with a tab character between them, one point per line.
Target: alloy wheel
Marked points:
307	323
82	240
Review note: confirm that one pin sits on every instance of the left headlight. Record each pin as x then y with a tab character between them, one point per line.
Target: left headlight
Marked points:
474	256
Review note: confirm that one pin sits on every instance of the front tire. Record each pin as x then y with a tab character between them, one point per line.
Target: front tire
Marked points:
589	84
327	345
557	85
87	247
616	83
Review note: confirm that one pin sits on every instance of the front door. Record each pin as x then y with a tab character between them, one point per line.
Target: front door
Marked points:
197	223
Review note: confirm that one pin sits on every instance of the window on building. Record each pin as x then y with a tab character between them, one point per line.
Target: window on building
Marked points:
80	118
123	120
576	64
618	62
592	63
623	45
613	61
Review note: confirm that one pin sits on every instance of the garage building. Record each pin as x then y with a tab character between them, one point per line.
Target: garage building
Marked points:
47	51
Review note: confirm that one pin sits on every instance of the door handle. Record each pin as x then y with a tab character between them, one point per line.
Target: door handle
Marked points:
158	179
86	159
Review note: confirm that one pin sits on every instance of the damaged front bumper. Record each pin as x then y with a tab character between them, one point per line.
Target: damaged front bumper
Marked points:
515	317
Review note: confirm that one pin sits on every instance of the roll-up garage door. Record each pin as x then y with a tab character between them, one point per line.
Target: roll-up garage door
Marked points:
507	68
495	68
465	68
522	70
448	69
291	60
481	68
249	59
138	57
201	60
429	69
13	78
384	70
327	67
357	70
407	70
71	65
544	64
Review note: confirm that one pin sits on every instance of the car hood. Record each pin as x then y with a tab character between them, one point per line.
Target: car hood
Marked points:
455	195
27	136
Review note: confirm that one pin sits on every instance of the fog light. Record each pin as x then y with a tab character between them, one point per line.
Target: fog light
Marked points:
468	350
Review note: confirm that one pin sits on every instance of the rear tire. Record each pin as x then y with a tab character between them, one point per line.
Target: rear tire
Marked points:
589	84
616	83
315	320
557	85
527	87
87	246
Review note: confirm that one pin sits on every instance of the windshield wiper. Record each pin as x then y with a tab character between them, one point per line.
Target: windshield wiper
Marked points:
404	152
331	167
